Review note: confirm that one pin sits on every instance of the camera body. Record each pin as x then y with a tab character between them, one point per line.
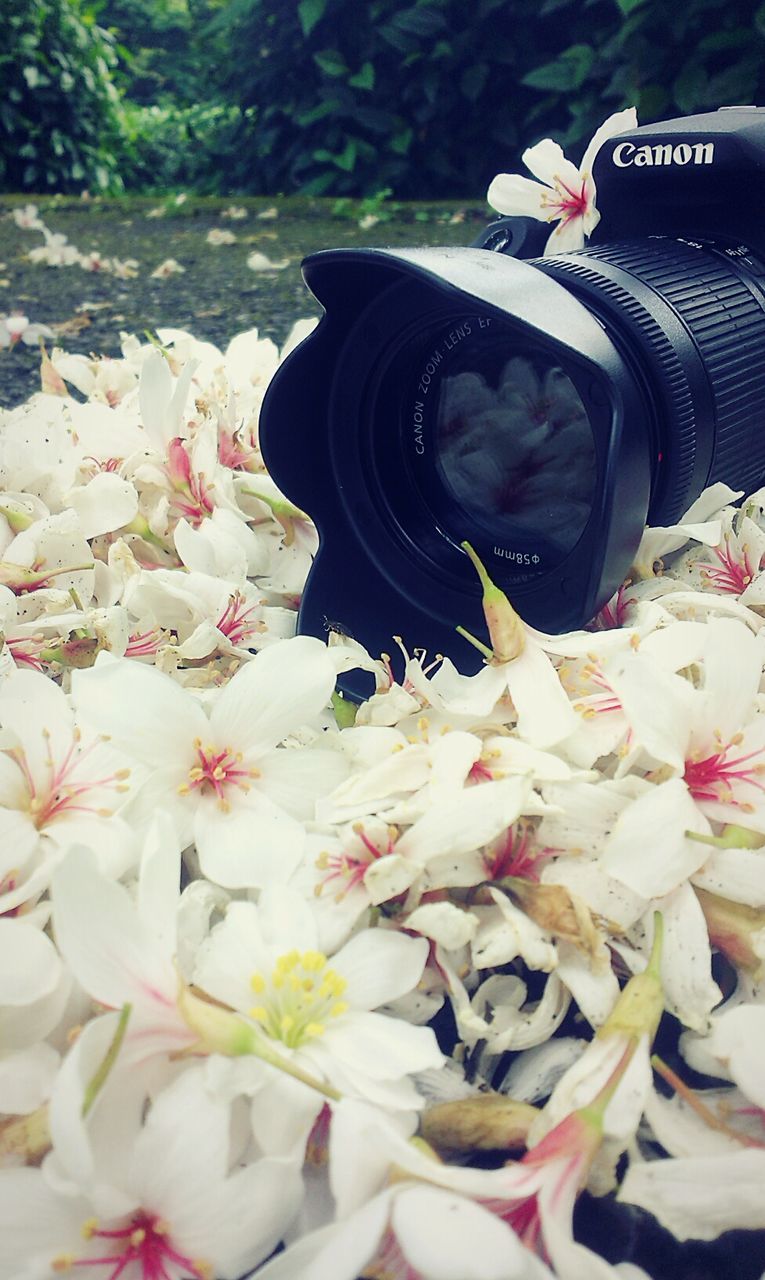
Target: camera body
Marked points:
541	408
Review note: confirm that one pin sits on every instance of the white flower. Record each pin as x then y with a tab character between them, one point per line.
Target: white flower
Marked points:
17	328
57	787
218	236
564	194
257	261
185	1214
169	267
317	1010
219	777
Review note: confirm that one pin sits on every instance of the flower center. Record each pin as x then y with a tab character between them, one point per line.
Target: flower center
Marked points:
216	769
565	203
63	791
239	620
141	1250
298	998
716	777
734	572
348	869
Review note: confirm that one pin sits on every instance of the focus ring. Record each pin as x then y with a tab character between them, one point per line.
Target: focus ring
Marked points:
678	386
713	312
727	321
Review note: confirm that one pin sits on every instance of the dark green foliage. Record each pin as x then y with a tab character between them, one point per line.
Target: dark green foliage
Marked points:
178	146
665	59
59	112
420	98
165	55
351	96
431	97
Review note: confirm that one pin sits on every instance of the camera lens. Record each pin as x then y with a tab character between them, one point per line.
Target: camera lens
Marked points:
689	315
494	445
514	450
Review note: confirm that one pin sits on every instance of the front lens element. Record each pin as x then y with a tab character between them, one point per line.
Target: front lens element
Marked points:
505	447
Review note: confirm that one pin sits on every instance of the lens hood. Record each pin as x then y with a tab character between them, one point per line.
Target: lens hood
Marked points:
339	437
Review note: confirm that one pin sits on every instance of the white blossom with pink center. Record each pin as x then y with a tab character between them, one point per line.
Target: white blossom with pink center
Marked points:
563	194
223	778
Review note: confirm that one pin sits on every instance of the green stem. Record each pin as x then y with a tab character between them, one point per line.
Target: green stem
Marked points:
99	1077
479	645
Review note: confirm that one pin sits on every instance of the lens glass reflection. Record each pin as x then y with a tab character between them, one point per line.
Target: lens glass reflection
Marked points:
514	445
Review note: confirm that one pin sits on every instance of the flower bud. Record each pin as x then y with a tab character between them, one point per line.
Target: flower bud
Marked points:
640	1005
735	929
506	630
483	1122
26	1138
219	1030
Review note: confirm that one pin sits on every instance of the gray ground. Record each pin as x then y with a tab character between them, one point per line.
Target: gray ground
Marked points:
216	297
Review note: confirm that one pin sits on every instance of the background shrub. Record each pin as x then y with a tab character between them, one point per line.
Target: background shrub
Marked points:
60	119
351	96
419	98
430	98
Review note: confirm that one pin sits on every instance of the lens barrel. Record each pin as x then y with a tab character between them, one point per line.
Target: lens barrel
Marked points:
690	318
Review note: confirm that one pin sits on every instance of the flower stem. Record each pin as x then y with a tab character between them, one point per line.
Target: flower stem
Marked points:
688	1096
99	1077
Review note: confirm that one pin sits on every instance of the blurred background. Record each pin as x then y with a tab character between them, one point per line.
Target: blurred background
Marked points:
419	100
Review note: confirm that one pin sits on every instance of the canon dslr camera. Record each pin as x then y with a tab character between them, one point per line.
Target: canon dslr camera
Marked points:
541	408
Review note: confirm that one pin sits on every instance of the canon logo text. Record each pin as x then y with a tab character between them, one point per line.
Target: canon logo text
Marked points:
664	153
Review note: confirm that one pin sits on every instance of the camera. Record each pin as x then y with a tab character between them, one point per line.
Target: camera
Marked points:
541	408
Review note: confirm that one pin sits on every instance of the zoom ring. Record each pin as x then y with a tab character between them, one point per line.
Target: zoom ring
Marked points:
724	312
669	378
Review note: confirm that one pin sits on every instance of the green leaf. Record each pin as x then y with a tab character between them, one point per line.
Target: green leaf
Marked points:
331	62
759	20
473	80
310	12
401	142
627	6
690	86
365	78
422	21
344	159
567	72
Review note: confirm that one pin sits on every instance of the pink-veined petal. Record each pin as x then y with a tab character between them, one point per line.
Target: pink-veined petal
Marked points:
111	951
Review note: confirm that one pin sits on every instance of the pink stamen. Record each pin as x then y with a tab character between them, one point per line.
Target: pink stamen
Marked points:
218	768
351	868
144	1244
735	571
233	454
515	855
63	792
144	644
614	614
236	620
480	772
570	204
714	777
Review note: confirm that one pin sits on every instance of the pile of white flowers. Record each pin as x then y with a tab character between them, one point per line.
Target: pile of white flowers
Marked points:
230	910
